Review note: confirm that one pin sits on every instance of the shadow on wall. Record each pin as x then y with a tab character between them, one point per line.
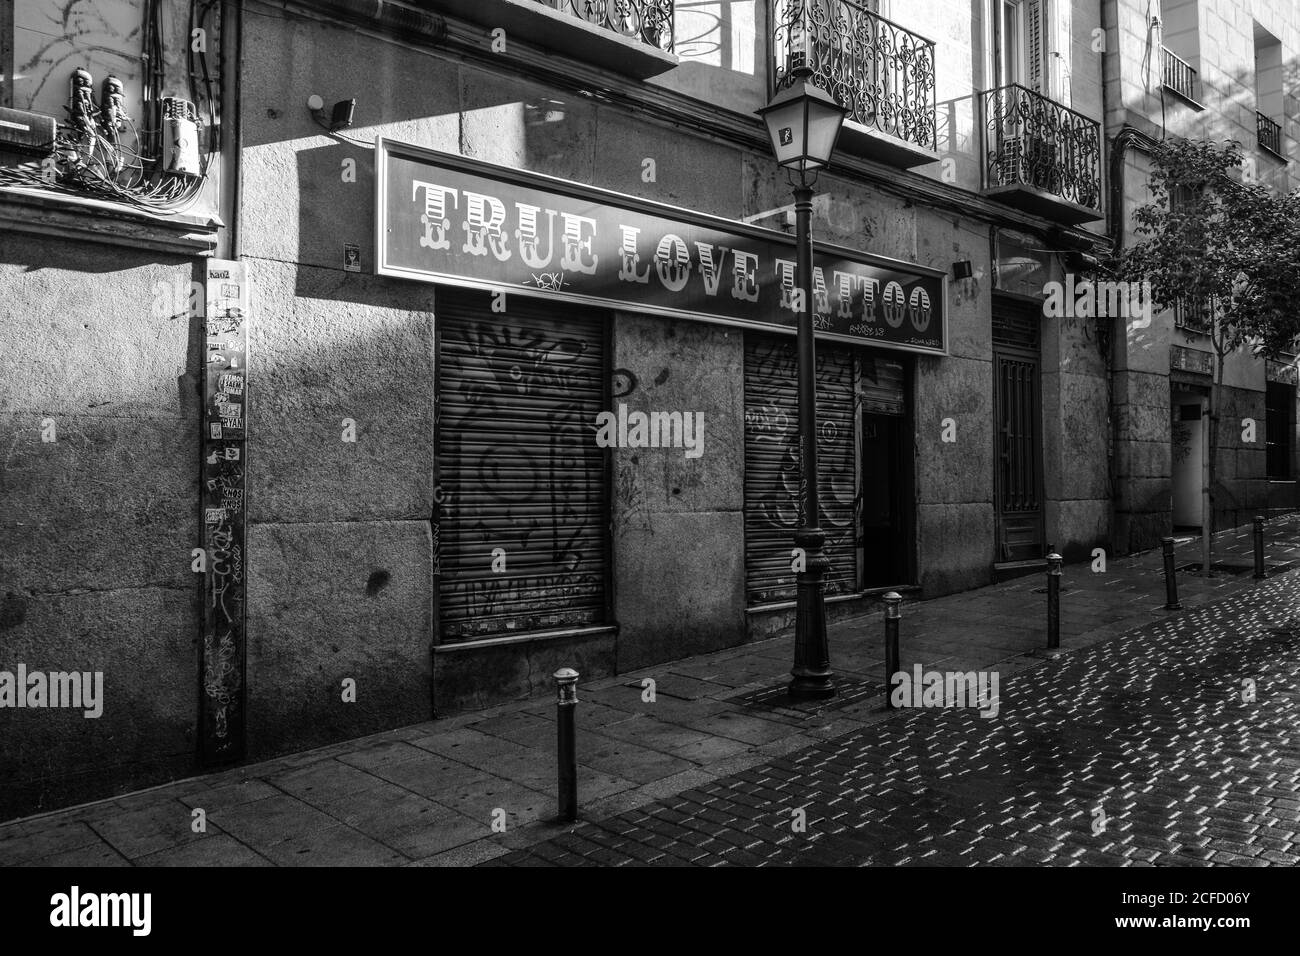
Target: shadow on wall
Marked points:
958	139
99	511
99	525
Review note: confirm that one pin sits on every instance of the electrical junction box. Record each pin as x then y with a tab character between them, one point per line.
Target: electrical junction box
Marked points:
180	137
25	132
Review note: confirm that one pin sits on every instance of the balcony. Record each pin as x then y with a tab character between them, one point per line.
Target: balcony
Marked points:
881	73
1179	77
632	37
1040	156
1194	314
1268	134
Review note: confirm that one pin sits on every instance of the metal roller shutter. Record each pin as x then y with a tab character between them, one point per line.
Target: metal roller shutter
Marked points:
521	482
772	466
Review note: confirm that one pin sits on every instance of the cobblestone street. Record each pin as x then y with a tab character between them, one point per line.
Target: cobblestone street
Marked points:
1143	750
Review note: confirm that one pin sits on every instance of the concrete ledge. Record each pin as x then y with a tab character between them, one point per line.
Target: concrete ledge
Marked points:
770	620
94	220
525	638
871	143
1038	202
477	676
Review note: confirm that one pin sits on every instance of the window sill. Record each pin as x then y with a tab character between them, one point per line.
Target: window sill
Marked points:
28	210
1190	101
1273	153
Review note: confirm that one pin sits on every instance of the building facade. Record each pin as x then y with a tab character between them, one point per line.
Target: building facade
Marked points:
328	451
1206	70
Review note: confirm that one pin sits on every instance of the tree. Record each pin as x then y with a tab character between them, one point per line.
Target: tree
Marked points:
1209	238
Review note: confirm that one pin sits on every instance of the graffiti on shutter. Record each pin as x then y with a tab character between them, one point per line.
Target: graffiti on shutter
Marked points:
522	516
772	466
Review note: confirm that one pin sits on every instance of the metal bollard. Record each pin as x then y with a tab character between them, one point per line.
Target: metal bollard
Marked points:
1171	576
892	600
1260	573
1053	601
566	700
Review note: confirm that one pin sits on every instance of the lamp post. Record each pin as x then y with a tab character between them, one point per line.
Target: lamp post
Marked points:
804	123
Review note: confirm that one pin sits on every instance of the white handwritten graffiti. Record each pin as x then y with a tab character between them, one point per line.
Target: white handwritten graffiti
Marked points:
550	281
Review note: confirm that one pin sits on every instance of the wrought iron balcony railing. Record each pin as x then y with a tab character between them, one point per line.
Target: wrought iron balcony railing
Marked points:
1269	133
648	21
881	73
1033	141
1178	74
1195	314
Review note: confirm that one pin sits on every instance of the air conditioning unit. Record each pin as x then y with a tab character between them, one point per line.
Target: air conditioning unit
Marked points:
1027	160
1010	164
22	131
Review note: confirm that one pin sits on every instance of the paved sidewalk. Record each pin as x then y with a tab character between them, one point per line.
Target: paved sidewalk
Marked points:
430	794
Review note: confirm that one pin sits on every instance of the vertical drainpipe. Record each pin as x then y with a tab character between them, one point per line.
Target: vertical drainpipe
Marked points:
1126	137
1116	341
232	48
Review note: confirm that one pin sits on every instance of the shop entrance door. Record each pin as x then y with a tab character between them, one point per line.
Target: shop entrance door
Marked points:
1188	458
884	525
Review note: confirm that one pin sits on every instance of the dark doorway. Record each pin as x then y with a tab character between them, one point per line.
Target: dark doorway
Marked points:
1017	401
884	526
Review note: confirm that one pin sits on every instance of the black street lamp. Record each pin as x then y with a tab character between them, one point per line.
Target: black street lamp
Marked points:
804	123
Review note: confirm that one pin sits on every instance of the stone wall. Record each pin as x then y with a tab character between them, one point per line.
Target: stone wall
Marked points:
99	491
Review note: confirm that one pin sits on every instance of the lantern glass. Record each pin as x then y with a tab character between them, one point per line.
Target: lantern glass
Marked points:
803	123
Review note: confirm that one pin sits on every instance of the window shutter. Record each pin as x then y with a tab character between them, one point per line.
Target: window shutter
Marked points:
1034	52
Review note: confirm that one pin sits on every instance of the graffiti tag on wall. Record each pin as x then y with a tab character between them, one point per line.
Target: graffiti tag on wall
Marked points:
221	718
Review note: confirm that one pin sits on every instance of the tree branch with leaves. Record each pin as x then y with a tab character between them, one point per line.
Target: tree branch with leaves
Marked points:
1209	241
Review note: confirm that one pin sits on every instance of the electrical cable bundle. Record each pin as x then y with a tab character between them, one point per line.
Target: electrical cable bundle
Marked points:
99	151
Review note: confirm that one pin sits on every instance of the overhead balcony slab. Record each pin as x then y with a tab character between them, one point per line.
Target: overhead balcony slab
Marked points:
642	50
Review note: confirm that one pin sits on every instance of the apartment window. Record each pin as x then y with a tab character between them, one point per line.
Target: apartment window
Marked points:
1178	76
1268	91
1191	313
1280	430
1018	47
1180	49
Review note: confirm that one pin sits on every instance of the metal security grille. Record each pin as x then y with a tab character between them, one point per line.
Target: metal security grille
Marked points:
1017	390
1018	440
521	531
1016	325
772	466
